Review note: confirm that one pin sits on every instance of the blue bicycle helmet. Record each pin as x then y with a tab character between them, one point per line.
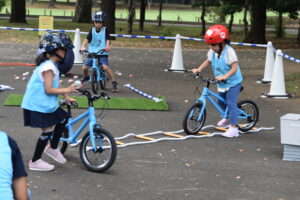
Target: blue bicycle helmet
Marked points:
51	42
98	16
66	40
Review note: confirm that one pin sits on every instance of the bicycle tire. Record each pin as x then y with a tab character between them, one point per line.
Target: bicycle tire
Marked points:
94	81
186	128
251	122
104	134
103	81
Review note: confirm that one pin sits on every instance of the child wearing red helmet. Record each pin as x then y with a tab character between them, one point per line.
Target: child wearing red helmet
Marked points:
224	62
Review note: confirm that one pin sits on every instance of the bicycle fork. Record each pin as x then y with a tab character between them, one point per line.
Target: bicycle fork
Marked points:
92	127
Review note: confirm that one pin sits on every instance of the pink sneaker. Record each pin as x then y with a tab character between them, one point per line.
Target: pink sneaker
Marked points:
55	154
40	165
223	122
231	132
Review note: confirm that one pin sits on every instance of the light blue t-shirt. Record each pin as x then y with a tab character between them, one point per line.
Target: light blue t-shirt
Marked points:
6	169
36	98
98	41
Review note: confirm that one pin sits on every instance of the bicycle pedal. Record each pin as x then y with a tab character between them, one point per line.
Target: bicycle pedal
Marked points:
75	144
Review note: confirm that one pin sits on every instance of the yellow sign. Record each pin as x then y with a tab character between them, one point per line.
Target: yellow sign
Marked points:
45	22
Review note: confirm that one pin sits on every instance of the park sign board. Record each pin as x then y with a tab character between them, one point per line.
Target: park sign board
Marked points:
45	22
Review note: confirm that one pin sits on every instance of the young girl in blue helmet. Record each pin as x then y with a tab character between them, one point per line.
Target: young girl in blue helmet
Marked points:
98	39
40	102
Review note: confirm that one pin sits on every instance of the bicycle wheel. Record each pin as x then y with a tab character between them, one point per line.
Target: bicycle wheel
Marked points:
104	157
103	81
62	145
191	124
94	81
250	108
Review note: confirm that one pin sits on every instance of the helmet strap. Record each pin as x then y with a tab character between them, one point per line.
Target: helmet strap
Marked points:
220	49
61	58
58	56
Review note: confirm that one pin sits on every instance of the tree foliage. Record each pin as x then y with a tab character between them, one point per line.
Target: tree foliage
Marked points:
283	6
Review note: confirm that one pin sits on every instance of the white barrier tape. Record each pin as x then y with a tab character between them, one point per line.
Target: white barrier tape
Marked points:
176	139
142	93
151	37
131	36
143	36
5	87
286	56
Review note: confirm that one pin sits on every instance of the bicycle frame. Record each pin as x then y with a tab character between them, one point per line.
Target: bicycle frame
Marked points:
90	119
206	94
97	66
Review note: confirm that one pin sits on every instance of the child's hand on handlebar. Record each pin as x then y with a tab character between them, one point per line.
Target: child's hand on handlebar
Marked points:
195	70
220	78
70	100
107	48
83	49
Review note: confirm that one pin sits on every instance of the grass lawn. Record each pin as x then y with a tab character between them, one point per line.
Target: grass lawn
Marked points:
292	83
115	103
186	14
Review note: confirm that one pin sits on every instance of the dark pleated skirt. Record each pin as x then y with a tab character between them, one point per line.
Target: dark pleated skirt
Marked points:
43	120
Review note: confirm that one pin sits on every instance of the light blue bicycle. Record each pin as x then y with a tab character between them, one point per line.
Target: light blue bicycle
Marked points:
98	76
196	115
98	150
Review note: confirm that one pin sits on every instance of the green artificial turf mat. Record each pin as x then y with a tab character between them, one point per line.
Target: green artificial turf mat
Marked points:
115	103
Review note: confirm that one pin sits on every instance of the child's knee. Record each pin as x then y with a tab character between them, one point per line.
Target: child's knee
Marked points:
105	67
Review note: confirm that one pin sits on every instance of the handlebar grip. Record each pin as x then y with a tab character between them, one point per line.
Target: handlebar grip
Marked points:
104	95
74	104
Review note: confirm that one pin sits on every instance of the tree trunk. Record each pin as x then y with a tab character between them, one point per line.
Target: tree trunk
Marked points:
142	14
298	37
160	11
245	19
32	1
131	14
203	18
279	29
109	7
51	4
18	11
231	22
83	11
257	32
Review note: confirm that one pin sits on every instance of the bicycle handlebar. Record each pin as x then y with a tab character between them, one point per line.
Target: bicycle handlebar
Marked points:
86	52
91	98
213	81
63	102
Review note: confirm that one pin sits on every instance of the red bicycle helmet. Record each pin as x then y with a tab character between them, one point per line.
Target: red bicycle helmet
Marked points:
216	34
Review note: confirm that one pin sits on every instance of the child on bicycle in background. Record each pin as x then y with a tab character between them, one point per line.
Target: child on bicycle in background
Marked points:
98	39
13	183
40	102
226	70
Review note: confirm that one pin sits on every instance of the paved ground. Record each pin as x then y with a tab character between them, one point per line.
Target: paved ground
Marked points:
248	167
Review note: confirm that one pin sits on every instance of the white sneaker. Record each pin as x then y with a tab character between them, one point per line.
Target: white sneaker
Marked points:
40	165
55	154
231	132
